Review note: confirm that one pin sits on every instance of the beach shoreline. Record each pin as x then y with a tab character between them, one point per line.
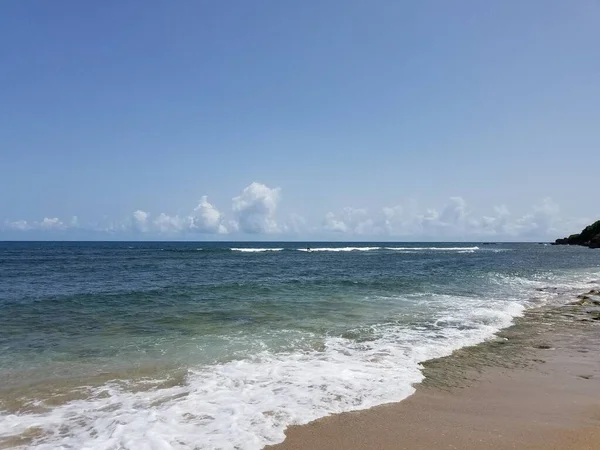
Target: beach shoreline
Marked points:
534	386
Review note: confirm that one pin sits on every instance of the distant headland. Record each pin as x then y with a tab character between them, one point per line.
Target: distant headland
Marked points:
589	237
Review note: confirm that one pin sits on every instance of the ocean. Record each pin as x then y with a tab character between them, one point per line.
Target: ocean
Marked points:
196	345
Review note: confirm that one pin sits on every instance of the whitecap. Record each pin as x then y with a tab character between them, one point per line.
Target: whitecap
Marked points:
339	249
256	250
442	249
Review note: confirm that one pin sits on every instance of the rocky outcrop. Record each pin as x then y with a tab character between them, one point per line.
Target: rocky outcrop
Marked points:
589	237
588	303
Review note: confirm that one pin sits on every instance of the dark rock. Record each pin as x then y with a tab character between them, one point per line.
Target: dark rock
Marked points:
589	237
595	241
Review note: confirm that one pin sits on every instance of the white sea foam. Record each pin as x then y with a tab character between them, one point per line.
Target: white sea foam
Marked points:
255	250
247	404
440	249
339	249
364	249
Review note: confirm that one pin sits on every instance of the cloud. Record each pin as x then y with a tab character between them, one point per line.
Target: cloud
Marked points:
330	223
140	221
543	219
52	224
351	220
455	220
48	223
401	220
254	212
20	225
455	213
255	208
169	224
207	219
295	224
498	223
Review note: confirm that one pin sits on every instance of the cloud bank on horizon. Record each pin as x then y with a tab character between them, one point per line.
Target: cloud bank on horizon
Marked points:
253	215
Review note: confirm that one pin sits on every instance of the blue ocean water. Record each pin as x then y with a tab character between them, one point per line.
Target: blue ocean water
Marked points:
133	345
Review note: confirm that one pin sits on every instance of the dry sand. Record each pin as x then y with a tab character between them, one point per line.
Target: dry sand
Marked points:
536	387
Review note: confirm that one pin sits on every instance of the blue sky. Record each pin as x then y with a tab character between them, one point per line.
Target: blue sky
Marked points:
346	120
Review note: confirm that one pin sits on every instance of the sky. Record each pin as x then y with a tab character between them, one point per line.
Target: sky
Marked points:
285	120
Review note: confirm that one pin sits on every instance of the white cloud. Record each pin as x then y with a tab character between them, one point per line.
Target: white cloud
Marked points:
455	220
455	213
169	224
332	224
353	221
295	224
48	223
401	220
255	209
207	219
51	224
544	219
20	225
496	224
140	220
234	226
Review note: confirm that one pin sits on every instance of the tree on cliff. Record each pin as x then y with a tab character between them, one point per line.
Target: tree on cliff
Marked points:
589	237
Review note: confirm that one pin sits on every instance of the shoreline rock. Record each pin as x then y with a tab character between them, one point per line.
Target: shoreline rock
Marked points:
589	237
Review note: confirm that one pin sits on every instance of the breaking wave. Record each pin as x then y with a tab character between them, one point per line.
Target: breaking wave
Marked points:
256	250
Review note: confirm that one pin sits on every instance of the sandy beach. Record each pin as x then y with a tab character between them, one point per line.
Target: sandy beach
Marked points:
537	386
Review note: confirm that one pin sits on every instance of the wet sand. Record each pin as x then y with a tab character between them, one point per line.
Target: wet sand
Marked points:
537	386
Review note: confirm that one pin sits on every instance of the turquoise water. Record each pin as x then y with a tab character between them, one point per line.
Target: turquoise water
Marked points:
223	345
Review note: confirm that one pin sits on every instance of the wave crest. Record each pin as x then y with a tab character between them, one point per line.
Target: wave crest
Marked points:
439	249
339	249
256	250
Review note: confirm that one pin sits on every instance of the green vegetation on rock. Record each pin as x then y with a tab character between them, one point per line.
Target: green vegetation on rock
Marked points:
589	237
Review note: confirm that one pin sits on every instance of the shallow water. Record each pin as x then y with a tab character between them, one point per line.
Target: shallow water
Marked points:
223	345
